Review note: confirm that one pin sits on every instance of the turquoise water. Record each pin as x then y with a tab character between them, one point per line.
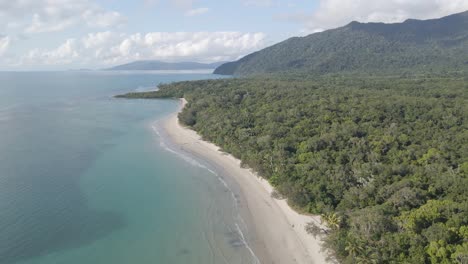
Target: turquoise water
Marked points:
84	178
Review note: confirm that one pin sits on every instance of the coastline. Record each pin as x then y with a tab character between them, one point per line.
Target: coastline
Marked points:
280	235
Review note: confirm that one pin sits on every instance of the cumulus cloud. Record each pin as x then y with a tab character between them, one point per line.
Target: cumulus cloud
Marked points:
65	53
4	44
39	16
197	11
39	24
334	13
102	19
99	39
108	48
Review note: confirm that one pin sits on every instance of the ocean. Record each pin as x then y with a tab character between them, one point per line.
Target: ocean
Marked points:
86	178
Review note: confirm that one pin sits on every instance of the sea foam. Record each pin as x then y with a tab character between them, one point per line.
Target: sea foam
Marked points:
238	218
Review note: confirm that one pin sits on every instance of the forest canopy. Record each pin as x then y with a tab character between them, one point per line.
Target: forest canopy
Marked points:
422	46
385	159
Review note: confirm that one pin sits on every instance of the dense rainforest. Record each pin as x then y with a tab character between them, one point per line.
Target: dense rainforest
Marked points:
411	46
366	124
383	159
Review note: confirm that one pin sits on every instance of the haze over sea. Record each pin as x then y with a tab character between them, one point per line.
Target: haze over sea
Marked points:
84	178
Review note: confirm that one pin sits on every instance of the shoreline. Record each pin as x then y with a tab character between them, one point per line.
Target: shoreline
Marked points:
280	235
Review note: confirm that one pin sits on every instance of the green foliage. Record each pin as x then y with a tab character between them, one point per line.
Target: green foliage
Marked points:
434	211
383	159
437	45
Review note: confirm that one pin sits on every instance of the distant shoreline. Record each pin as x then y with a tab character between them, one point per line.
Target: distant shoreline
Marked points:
280	235
199	71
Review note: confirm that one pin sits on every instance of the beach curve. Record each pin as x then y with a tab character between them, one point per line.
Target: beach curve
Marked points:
280	231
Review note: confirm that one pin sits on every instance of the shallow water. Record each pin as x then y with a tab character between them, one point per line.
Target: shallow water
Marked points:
84	178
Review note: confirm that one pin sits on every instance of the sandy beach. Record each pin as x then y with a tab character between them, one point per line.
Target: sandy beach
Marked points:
280	231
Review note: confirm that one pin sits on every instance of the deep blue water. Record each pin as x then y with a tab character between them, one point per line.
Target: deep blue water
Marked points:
84	178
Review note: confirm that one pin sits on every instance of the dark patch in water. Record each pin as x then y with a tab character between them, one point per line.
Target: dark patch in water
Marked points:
183	251
59	125
42	207
35	241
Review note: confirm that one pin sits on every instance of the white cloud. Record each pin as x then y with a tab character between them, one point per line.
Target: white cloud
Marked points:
197	11
199	46
39	25
64	54
335	13
103	19
4	44
39	16
108	48
99	39
125	47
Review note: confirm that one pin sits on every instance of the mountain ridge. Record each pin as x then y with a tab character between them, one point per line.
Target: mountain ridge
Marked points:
424	45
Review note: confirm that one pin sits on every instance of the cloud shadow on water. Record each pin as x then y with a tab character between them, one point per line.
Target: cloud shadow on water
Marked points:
43	209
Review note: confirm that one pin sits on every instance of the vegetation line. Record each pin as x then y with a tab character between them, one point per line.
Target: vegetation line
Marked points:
384	159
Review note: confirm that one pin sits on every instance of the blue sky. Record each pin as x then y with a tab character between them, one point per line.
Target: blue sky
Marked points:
65	34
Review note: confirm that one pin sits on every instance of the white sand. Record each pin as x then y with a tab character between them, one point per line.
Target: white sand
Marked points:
280	231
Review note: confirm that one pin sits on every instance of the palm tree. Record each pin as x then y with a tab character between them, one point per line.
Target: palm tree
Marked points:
354	247
367	257
332	220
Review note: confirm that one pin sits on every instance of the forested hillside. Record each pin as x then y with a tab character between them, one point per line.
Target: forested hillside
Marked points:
384	160
381	154
436	45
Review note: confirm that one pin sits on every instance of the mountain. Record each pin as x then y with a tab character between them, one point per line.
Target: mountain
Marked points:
425	45
153	65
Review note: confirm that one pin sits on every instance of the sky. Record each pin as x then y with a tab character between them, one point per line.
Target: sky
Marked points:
74	34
